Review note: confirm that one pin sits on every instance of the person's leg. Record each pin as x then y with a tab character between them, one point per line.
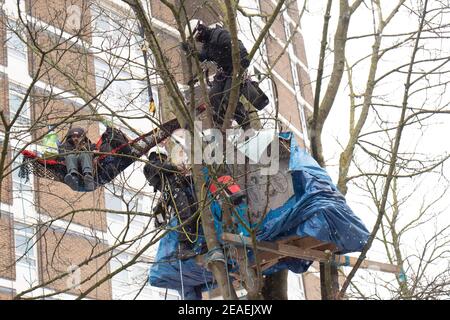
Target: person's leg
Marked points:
216	96
71	179
71	161
85	159
240	114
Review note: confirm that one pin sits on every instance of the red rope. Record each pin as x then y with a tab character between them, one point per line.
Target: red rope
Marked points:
33	155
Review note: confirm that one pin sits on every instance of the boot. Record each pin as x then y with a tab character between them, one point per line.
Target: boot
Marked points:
242	117
71	179
88	182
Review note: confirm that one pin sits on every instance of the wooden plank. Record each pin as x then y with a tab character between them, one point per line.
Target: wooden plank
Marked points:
367	264
326	246
278	248
267	258
307	242
313	243
308	254
289	239
269	265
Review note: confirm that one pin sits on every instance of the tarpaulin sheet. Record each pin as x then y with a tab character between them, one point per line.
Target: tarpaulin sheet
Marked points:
316	209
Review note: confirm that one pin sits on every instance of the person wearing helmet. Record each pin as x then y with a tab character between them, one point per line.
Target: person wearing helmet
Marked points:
216	47
176	193
77	150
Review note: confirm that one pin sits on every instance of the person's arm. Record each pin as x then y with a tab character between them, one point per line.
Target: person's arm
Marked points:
169	167
223	39
186	47
61	148
245	62
88	145
202	56
65	147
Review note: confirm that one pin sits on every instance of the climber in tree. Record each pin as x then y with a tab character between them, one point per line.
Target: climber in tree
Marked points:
216	47
177	193
77	151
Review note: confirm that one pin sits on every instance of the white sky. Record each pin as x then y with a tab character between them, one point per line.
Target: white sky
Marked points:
431	142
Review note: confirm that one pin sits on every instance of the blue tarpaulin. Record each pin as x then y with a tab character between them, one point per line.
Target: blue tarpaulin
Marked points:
316	209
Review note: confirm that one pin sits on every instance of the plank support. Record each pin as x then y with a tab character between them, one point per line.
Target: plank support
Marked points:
281	249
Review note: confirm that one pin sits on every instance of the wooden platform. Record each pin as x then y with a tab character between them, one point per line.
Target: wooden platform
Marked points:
305	248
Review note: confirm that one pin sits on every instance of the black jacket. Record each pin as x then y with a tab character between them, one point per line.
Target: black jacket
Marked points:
177	193
156	171
217	48
69	146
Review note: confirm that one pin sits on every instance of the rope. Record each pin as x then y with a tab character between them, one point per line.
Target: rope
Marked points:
336	263
209	256
208	288
144	49
181	276
347	261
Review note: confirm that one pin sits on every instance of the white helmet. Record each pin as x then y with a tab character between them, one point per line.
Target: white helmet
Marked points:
193	24
158	150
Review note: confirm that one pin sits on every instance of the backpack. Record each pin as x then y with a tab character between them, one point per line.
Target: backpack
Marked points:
112	139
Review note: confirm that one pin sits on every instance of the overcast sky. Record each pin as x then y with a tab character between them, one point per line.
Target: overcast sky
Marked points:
432	140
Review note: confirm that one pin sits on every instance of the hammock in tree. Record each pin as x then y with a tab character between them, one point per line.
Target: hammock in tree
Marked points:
107	166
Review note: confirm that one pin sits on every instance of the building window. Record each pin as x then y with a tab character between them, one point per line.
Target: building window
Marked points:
116	86
23	197
129	202
111	28
131	283
114	203
102	22
17	104
139	274
123	277
25	251
17	47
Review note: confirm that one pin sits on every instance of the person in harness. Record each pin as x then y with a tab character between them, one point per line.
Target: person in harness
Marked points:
216	47
77	151
177	193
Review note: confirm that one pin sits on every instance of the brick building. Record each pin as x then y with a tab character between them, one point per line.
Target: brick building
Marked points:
44	226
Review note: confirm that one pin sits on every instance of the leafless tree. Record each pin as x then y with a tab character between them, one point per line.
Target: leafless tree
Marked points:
385	127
